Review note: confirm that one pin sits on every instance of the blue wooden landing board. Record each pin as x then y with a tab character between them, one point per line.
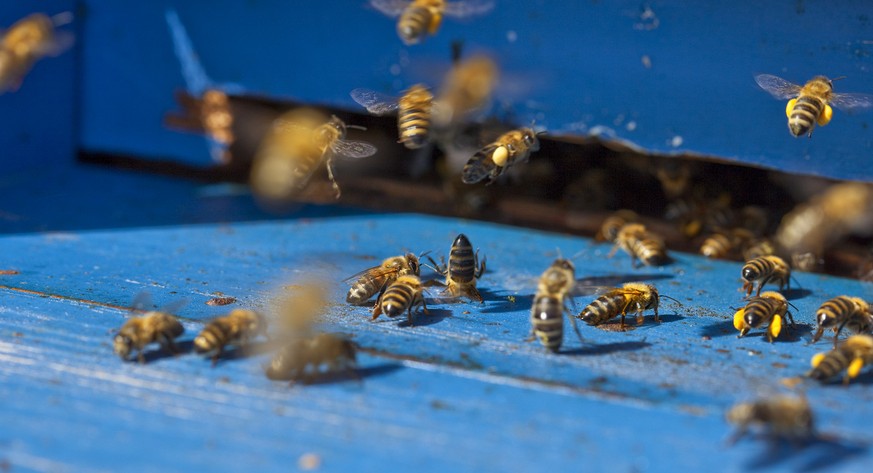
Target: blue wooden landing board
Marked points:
460	391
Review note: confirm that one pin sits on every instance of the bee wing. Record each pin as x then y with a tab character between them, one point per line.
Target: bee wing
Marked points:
353	149
468	8
583	289
391	8
173	307
371	273
479	166
62	41
374	102
777	86
851	102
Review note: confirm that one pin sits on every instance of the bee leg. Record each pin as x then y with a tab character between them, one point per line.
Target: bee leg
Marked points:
329	165
440	269
217	355
612	251
481	269
760	286
657	318
377	309
473	293
576	327
140	357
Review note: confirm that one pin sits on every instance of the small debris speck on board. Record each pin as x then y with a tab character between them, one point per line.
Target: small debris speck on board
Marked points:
218	301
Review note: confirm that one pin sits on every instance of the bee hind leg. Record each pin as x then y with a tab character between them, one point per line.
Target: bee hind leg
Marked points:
330	175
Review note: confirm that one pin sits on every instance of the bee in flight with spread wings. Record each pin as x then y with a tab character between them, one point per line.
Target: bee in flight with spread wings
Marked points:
420	18
810	104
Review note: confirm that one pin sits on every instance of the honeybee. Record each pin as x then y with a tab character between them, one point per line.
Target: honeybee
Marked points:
724	243
297	143
402	295
763	270
413	112
372	280
303	358
770	307
211	115
616	301
641	245
235	328
781	417
420	18
851	355
298	309
810	104
550	304
495	158
758	247
463	269
151	327
852	313
465	88
28	40
610	227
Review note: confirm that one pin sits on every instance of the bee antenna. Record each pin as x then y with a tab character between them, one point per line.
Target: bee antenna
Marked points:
792	305
357	127
422	255
671	298
578	254
838	78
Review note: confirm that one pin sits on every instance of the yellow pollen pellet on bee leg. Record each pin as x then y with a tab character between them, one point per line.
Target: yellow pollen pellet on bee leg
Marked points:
739	320
775	327
825	116
500	155
855	367
790	107
816	359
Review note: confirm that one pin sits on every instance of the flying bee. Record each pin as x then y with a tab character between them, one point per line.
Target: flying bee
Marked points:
725	243
641	245
296	145
463	269
235	328
303	358
810	104
852	313
550	304
372	280
617	301
763	270
495	158
610	227
413	112
28	40
781	417
770	307
420	18
851	355
467	87
404	294
154	326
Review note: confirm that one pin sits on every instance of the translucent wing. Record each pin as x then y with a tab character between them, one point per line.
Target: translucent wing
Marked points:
62	41
777	86
391	8
353	149
583	289
468	8
374	102
371	273
851	102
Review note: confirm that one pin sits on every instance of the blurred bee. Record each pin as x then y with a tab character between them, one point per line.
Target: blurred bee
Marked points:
758	247
420	18
674	176
550	304
770	308
763	270
28	40
211	115
851	355
810	104
303	358
154	326
852	313
235	328
495	158
463	269
413	112
298	308
725	243
465	88
641	245
402	295
616	301
296	145
781	417
372	280
610	227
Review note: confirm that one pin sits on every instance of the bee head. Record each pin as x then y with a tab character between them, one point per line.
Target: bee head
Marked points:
824	319
654	299
750	273
338	125
413	263
564	264
530	139
122	344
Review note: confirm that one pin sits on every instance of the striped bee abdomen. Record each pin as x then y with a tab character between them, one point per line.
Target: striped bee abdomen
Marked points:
413	117
716	246
650	252
603	309
547	320
212	337
830	365
804	115
462	260
396	299
414	23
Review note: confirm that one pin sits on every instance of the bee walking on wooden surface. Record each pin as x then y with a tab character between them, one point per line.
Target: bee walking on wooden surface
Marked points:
236	328
463	269
376	279
422	18
151	327
810	104
768	308
780	417
764	270
725	243
28	40
641	244
611	225
298	142
635	296
851	356
843	312
305	358
550	304
404	294
495	158
413	112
